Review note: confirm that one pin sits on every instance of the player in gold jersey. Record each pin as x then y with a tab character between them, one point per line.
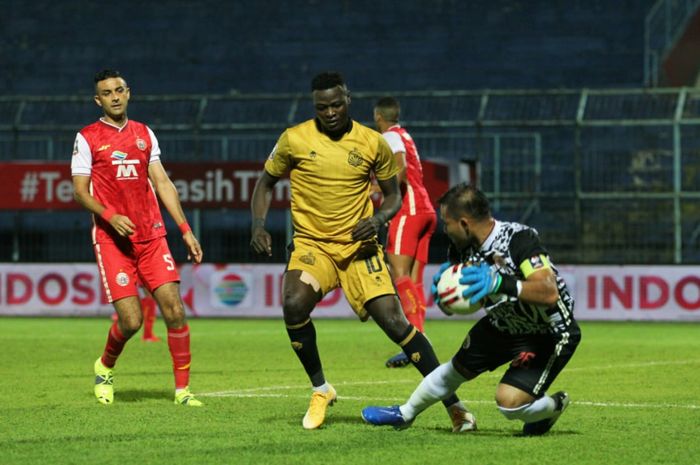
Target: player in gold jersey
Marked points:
330	160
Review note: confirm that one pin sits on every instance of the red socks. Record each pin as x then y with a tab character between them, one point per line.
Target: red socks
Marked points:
411	301
179	344
148	307
115	344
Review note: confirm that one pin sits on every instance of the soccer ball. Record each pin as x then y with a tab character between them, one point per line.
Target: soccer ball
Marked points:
450	292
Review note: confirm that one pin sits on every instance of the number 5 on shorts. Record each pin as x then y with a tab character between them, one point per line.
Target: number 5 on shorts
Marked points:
169	260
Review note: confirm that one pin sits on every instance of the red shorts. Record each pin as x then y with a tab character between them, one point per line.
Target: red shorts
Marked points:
123	265
410	235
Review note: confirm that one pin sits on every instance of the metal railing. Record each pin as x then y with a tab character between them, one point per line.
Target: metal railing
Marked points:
606	175
663	25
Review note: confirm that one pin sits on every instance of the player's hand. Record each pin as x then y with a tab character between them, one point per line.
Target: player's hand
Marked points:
482	281
433	287
367	228
261	241
194	250
122	224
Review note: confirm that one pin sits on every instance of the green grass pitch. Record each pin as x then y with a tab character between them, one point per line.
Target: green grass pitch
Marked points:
634	389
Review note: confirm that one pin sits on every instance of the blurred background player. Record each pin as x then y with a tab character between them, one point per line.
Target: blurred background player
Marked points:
117	174
148	308
411	229
330	160
529	320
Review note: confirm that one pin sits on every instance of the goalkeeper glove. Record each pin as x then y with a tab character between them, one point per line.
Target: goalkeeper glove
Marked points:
483	281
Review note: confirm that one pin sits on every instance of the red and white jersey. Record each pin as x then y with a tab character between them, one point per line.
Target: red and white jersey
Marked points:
117	159
415	197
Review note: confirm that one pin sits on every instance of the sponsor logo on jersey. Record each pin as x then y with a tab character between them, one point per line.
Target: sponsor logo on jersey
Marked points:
141	144
122	279
104	147
75	148
157	225
354	157
312	155
118	155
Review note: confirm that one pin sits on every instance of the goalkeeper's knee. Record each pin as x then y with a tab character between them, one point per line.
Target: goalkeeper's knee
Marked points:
533	411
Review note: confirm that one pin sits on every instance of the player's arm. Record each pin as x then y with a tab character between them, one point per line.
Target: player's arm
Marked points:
167	193
261	241
540	287
369	227
81	193
400	158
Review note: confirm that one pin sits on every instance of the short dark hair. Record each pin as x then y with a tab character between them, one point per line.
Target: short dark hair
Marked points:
327	80
466	199
107	74
389	108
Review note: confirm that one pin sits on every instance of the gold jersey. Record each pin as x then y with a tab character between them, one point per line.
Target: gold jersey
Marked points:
330	180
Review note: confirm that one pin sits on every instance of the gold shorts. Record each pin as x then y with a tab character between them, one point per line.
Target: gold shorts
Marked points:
358	268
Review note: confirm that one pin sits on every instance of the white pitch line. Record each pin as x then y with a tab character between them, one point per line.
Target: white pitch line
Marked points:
265	392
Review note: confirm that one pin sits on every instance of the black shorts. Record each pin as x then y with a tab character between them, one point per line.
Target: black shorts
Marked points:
535	359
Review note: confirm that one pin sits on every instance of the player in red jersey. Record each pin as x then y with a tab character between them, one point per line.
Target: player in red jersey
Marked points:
116	175
413	226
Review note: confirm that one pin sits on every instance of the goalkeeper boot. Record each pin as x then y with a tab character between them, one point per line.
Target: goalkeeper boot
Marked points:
462	419
317	408
397	361
104	380
538	428
185	397
389	416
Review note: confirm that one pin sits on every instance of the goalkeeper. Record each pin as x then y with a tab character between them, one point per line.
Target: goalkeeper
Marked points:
529	320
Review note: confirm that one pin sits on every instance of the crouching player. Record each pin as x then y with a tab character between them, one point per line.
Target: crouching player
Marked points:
529	320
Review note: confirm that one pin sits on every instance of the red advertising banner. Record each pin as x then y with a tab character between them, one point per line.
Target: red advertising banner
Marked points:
39	186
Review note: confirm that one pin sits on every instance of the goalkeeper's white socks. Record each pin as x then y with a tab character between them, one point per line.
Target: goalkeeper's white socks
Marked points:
534	411
439	384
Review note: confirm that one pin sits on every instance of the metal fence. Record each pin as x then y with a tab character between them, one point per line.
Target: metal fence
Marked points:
663	25
607	176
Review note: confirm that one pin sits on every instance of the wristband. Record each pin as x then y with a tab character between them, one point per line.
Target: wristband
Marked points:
184	228
107	214
509	286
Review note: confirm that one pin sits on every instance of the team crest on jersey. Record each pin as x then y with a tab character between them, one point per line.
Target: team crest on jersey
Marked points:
309	259
141	144
355	157
122	279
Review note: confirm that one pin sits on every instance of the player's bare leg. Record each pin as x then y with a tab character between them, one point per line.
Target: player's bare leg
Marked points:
128	321
173	309
538	415
401	267
301	293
